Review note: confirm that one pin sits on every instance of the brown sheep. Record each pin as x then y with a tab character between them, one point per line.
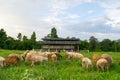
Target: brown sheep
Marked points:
95	58
11	60
17	55
108	58
53	57
102	64
59	56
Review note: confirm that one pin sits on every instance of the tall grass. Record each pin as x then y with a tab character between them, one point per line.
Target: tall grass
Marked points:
60	70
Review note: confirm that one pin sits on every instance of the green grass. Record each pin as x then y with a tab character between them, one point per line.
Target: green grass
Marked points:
59	70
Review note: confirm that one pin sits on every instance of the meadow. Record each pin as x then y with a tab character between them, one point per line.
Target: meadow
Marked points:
60	70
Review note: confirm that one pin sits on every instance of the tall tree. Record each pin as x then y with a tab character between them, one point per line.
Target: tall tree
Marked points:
25	38
19	36
33	39
3	37
118	45
93	43
106	45
54	33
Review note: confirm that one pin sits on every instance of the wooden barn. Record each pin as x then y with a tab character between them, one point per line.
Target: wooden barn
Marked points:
60	44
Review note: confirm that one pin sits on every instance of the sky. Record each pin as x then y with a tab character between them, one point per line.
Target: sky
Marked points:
72	18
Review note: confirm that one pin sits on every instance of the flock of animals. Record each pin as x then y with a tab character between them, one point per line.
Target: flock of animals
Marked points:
102	62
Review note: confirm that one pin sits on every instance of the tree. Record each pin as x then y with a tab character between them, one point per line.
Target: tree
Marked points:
10	43
118	45
25	38
19	36
54	33
84	45
3	37
93	43
106	45
33	39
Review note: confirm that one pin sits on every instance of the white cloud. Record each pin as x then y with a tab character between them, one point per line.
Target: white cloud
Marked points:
72	16
26	16
90	11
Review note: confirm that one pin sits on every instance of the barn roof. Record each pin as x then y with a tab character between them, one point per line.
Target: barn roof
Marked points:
60	41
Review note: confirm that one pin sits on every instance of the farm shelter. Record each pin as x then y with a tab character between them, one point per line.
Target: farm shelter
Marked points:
60	44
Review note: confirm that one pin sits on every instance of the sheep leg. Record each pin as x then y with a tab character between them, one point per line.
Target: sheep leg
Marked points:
98	67
102	68
32	63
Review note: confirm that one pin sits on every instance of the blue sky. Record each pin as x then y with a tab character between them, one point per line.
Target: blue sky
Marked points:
73	18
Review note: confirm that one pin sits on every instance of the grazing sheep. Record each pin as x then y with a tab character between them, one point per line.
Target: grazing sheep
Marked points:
95	58
2	59
102	64
86	62
33	57
11	60
77	56
69	55
37	58
53	57
17	55
108	58
59	56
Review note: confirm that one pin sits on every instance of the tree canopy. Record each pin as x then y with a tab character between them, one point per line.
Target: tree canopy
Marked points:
23	42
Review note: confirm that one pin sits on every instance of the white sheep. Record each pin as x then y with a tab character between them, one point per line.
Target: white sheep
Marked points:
37	58
34	57
69	55
86	62
102	64
77	56
2	59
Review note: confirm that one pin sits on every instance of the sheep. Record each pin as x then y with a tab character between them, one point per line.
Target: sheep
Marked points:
102	64
17	55
11	60
37	58
86	63
108	58
95	58
2	59
34	57
69	55
77	56
53	57
58	55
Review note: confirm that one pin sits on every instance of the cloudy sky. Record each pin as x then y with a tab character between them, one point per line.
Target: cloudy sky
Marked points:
73	18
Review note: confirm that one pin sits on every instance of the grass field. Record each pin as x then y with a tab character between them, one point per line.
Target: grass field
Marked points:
59	70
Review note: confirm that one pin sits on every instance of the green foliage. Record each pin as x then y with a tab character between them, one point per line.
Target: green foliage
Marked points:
84	45
106	45
19	36
23	42
54	33
3	37
93	43
33	40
